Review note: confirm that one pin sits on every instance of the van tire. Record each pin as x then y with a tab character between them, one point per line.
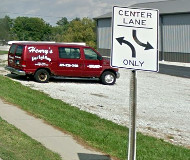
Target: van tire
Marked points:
108	78
42	76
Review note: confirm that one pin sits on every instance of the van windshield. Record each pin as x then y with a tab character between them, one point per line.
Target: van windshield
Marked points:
19	50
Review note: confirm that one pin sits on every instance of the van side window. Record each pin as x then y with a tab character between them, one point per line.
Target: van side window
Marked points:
12	49
90	54
69	53
19	50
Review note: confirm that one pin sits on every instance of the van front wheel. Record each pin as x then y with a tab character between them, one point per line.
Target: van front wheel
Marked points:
42	76
108	78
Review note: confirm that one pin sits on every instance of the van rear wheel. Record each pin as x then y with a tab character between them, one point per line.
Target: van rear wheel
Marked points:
42	76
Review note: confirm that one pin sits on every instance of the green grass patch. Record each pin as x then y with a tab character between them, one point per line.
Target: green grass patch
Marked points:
3	52
15	145
100	133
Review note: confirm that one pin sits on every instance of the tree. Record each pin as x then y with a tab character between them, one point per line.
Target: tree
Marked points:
81	31
35	29
59	30
5	28
62	22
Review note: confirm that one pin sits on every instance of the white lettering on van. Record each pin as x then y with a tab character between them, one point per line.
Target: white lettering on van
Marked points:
41	64
11	61
18	57
41	58
94	66
35	50
69	65
11	57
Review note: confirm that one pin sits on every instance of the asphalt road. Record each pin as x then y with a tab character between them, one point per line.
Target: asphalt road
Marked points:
172	70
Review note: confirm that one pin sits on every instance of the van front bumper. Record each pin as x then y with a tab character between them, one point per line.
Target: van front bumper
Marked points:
117	74
15	71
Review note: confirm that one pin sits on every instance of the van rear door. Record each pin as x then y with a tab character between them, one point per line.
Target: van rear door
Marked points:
11	55
18	61
15	56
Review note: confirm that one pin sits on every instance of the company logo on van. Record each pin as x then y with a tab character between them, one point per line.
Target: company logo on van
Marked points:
35	50
43	57
40	51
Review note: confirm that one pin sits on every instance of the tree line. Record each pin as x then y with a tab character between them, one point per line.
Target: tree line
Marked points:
36	29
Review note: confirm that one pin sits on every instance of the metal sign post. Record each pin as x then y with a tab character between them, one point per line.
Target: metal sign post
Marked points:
132	117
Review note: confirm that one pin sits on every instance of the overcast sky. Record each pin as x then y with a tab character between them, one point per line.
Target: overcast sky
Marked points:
52	10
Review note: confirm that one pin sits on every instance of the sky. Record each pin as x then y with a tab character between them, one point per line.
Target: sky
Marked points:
53	10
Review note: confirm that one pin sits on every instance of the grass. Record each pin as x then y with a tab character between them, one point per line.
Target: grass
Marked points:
100	133
3	52
15	145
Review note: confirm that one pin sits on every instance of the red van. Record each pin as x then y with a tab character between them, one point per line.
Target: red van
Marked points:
43	60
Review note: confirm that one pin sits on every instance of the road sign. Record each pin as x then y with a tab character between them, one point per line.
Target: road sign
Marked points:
135	38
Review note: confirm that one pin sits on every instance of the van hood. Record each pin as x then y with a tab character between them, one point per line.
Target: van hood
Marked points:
106	61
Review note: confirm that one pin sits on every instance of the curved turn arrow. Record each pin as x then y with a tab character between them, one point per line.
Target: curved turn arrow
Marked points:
121	41
147	46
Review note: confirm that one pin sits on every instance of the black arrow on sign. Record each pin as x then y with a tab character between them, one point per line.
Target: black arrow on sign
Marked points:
121	41
147	46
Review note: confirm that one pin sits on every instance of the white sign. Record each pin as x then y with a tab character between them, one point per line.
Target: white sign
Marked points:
135	38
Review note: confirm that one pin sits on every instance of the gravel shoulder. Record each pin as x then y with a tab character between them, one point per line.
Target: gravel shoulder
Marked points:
163	107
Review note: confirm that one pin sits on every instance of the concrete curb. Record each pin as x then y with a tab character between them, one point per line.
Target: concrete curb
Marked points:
50	137
175	63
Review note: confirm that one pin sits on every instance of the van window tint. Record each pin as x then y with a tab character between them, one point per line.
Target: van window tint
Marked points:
90	54
69	53
19	50
12	49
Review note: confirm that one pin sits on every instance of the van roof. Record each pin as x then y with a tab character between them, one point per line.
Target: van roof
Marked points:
50	44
